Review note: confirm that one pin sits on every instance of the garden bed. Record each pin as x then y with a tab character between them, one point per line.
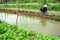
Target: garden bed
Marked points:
37	14
13	32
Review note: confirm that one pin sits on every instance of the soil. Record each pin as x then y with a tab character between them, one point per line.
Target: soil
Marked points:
30	14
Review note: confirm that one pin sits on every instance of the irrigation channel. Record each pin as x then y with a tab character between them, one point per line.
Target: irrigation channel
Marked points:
37	24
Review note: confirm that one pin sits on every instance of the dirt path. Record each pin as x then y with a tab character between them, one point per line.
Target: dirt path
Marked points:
29	13
37	11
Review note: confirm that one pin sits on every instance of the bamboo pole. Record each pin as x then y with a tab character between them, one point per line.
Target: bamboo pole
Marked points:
17	11
30	3
17	5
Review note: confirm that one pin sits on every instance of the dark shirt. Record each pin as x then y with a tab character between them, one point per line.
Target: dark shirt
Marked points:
44	9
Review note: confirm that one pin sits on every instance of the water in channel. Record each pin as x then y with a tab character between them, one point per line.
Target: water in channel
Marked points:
39	25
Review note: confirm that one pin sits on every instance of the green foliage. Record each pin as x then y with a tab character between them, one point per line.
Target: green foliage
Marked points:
33	1
12	32
0	21
57	16
54	7
34	6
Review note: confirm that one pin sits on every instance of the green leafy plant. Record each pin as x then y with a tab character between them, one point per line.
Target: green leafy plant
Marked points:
12	32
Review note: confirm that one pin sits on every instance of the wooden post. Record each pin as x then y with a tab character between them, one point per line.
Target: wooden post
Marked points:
17	5
17	10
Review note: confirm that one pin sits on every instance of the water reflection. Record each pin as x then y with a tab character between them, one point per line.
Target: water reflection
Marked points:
32	23
17	20
43	22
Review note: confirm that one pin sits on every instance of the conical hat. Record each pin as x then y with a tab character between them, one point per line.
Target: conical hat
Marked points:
45	6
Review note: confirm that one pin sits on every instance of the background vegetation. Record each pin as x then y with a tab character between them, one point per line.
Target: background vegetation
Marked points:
32	4
28	1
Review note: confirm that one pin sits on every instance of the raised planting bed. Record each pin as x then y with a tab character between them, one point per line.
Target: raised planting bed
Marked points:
29	13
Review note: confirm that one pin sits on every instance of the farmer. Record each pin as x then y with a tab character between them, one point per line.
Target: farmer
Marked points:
44	9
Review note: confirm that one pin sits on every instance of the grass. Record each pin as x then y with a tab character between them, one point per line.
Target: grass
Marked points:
34	6
58	16
12	32
33	1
